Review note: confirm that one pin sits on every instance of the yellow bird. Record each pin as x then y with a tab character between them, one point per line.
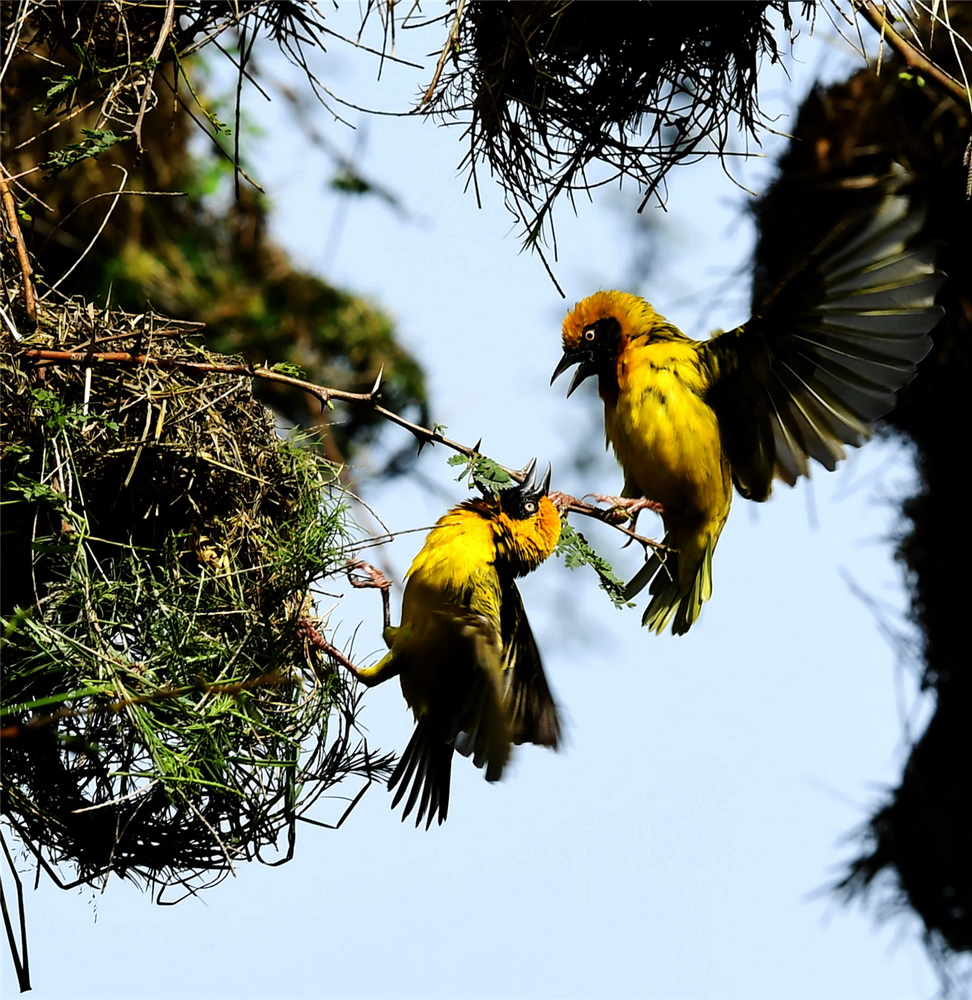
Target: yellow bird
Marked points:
468	663
818	363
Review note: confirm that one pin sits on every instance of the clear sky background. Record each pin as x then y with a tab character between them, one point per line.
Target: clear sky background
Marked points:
679	843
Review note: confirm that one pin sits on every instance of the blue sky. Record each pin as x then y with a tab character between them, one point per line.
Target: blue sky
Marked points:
677	844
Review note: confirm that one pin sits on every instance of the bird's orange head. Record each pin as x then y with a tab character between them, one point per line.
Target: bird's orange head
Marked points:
598	329
526	524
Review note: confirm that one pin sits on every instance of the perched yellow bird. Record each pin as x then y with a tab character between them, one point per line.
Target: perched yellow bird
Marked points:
818	363
469	666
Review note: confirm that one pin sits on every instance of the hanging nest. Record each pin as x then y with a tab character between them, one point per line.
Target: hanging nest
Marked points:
551	88
164	713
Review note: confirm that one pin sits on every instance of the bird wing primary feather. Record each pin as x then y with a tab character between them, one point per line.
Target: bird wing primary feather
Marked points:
533	712
826	351
465	712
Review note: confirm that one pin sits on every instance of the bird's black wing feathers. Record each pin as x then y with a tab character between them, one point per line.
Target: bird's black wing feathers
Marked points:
533	712
826	350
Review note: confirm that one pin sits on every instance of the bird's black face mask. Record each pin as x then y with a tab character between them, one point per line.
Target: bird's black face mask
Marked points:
523	501
595	352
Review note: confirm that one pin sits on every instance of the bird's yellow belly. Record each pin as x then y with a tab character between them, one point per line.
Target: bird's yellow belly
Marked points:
668	443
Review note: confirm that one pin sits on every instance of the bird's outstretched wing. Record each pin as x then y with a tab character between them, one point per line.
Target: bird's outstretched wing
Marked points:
826	350
532	710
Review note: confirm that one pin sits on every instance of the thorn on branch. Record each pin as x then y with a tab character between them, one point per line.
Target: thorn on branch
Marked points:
376	388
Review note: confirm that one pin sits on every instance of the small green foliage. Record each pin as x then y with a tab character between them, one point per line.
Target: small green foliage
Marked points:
219	127
349	182
483	473
57	88
576	551
96	141
908	77
31	490
288	369
61	416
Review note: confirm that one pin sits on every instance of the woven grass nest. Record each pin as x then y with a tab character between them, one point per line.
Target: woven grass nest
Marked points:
164	714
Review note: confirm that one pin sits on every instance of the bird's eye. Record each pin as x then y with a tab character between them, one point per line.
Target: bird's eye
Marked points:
590	334
530	507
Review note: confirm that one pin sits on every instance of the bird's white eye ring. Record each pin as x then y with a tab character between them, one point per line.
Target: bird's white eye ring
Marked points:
530	507
590	333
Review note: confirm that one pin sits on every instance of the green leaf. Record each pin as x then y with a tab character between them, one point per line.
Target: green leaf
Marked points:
576	551
57	88
96	141
482	472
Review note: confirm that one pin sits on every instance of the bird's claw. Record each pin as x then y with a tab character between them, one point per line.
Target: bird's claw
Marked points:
625	508
374	576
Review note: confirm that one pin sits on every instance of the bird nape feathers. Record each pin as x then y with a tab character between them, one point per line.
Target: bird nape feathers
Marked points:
819	362
467	660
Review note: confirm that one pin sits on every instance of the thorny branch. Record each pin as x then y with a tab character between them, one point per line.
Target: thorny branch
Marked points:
325	395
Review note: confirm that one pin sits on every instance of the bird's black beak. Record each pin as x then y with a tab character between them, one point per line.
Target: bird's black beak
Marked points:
530	489
544	487
514	498
575	357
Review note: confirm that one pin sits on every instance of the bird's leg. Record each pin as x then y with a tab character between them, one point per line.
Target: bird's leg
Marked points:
385	668
373	578
369	676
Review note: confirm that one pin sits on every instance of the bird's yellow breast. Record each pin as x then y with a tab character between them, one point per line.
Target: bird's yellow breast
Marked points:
665	435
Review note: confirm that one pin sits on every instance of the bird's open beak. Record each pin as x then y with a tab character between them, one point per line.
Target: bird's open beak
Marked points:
544	487
529	488
575	357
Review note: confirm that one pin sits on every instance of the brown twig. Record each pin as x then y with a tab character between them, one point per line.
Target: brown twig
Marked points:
108	194
167	23
451	39
914	59
10	208
324	394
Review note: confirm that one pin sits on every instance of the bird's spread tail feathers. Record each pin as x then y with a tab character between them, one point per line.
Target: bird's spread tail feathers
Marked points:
672	602
424	772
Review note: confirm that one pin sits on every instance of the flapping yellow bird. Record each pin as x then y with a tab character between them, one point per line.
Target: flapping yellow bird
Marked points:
818	363
469	666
